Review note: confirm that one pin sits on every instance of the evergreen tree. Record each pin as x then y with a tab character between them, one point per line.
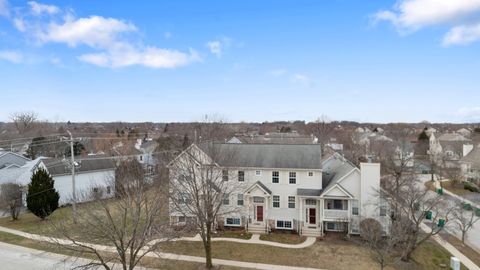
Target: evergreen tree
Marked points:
42	198
423	136
186	141
78	149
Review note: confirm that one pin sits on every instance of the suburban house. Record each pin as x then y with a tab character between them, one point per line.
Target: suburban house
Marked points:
290	187
470	165
275	138
449	147
94	177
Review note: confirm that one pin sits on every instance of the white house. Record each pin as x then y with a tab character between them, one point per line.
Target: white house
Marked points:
93	177
290	187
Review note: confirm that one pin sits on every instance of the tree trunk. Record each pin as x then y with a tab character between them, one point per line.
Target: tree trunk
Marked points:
463	237
208	248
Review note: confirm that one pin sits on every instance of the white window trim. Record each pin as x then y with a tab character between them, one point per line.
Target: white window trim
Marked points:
283	228
273	201
308	174
233	225
294	202
296	178
258	173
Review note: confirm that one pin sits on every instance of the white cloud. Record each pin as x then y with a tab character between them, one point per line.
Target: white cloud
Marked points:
11	56
124	55
39	9
302	79
167	35
469	114
412	15
462	35
94	31
4	8
19	24
217	47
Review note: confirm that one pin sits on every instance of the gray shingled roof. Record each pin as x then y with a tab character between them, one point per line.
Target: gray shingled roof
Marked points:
293	156
335	168
60	167
308	192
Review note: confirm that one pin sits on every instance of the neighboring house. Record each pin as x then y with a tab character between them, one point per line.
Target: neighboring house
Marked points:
290	187
470	165
449	147
274	138
10	159
93	178
20	174
147	150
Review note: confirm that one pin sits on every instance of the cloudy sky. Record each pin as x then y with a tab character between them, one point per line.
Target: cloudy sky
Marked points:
379	60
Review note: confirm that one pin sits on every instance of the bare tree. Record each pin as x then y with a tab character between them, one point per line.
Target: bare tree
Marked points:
415	205
464	219
23	120
383	246
11	199
200	184
322	128
132	223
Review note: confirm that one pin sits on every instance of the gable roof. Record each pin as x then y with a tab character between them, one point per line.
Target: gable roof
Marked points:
335	168
20	175
287	156
61	167
342	192
259	185
9	158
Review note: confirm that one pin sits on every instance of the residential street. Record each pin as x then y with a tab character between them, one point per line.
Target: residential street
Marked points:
20	258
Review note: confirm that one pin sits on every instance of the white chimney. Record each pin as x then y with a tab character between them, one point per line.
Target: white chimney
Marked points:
467	148
369	188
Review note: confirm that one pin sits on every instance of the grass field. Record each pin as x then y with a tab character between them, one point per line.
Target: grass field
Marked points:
285	238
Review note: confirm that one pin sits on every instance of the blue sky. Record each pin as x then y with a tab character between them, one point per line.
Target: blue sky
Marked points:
378	61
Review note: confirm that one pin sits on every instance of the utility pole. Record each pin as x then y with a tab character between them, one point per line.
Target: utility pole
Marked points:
74	197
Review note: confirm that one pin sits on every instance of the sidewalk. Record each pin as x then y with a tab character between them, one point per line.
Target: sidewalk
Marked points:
454	251
446	191
169	256
254	240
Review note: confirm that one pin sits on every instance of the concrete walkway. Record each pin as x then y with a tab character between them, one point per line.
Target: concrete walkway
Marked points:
446	191
163	255
254	240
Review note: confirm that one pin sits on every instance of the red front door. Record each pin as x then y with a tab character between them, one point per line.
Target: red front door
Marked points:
259	213
311	215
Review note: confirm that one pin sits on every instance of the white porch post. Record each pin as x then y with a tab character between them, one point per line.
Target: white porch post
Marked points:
300	218
266	206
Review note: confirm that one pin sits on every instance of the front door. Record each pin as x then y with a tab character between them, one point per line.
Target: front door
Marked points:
260	213
312	216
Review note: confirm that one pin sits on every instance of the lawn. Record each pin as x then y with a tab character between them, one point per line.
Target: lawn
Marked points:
147	262
285	238
466	250
30	223
455	189
232	234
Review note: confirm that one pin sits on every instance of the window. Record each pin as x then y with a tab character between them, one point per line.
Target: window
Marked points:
258	173
355	211
310	202
336	205
95	190
225	175
335	226
276	201
275	177
183	198
283	224
383	210
141	158
291	201
181	219
310	174
292	177
232	222
226	199
258	200
109	190
241	176
240	199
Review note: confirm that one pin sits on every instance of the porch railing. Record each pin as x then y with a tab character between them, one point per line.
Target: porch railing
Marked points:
330	213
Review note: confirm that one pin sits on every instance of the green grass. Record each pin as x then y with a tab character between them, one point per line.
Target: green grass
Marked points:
430	255
233	234
284	238
30	223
